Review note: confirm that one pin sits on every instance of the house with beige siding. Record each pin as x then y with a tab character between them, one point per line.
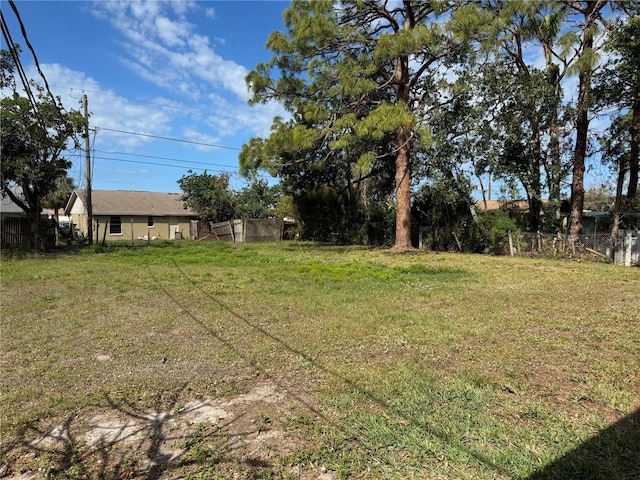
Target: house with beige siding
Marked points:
130	215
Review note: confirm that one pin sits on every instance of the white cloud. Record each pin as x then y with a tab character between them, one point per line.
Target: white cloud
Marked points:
196	136
107	108
229	119
145	8
170	32
184	6
162	47
167	51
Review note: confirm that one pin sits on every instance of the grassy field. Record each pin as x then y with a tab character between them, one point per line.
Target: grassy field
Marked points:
321	362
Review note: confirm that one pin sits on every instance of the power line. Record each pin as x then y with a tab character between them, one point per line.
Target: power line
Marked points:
18	64
169	138
35	58
160	158
231	170
163	105
155	163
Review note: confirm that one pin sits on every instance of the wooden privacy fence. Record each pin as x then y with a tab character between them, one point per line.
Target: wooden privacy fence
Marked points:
239	231
627	248
16	231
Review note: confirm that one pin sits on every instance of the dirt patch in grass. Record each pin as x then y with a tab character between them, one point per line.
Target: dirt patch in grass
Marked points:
236	436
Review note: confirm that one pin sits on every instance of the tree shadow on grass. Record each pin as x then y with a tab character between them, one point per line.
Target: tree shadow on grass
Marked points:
125	442
612	454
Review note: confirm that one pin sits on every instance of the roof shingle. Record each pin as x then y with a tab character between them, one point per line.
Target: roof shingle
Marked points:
131	202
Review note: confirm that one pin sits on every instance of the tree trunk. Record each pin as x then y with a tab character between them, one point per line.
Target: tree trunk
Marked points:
35	240
554	173
403	192
535	206
590	12
580	153
535	198
622	170
634	161
403	162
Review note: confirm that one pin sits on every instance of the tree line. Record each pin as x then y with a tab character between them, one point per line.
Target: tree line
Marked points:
398	108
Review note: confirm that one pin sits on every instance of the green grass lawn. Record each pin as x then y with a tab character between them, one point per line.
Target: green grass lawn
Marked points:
416	365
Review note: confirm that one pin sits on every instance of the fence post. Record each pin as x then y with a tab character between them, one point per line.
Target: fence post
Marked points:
617	252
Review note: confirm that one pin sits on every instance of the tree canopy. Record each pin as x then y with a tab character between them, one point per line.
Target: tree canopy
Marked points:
213	199
35	135
207	195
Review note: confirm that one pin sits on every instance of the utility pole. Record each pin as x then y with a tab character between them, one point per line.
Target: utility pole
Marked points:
85	104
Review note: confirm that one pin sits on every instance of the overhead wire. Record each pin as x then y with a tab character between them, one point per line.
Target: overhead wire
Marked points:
7	35
76	167
169	138
92	149
189	162
225	169
157	164
35	59
18	64
159	104
160	158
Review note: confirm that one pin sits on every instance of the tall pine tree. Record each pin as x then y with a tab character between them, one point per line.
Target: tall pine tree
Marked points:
356	77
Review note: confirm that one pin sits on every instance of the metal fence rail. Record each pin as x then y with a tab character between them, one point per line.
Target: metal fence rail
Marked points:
528	243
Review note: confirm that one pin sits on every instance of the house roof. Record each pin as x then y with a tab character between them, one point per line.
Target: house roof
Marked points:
7	205
497	204
592	214
131	202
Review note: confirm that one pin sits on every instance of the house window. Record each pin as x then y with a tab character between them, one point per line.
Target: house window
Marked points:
115	227
149	221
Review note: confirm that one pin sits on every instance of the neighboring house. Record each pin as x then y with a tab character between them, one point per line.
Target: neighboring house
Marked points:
490	205
14	224
15	229
128	215
63	220
8	209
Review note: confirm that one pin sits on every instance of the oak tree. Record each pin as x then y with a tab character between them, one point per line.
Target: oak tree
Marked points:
36	132
208	195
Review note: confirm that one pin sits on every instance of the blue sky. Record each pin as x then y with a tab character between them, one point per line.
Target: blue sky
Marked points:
171	69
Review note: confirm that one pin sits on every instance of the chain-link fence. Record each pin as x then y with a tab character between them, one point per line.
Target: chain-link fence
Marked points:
528	243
